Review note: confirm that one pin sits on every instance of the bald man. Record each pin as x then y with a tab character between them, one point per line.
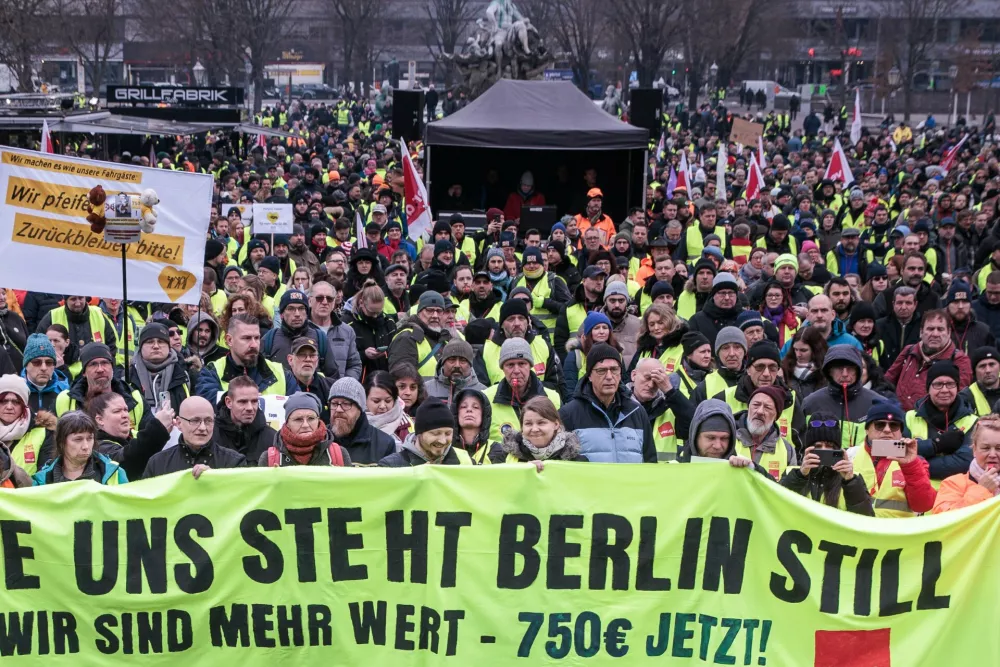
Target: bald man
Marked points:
195	451
823	317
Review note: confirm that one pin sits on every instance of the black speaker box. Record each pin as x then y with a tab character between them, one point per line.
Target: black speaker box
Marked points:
647	104
408	114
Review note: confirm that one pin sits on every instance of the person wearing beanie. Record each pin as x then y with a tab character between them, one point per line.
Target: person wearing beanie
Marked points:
197	450
910	368
455	372
778	239
966	332
231	281
549	293
662	293
216	257
97	377
518	384
758	436
611	425
915	495
421	338
336	347
587	296
835	486
17	457
721	310
698	289
695	364
44	383
158	371
596	328
625	325
861	325
752	325
516	324
845	394
85	324
563	267
984	392
730	351
431	440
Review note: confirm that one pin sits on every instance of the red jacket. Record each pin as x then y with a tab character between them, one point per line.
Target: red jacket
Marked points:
920	495
908	372
512	209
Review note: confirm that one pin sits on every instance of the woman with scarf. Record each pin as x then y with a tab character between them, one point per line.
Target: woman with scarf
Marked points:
660	334
596	329
982	482
542	436
776	307
385	409
77	457
496	266
114	433
303	439
753	269
802	367
15	417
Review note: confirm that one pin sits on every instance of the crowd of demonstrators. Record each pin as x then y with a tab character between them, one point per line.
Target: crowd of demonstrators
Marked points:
806	329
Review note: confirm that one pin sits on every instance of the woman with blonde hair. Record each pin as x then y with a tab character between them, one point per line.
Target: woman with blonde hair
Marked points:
660	334
542	436
301	279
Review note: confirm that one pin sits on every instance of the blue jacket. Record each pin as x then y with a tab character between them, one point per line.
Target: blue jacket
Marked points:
45	398
838	336
109	467
618	434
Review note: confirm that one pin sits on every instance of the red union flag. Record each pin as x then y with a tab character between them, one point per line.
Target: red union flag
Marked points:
418	212
952	155
46	138
838	169
853	648
683	175
755	179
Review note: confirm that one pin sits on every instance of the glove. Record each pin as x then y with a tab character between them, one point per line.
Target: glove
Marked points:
948	442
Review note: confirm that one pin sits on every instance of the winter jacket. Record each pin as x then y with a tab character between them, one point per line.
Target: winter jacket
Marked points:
617	433
944	463
79	329
513	446
445	390
13	336
908	372
106	471
808	385
320	456
960	491
798	294
179	389
483	450
823	482
36	306
711	319
895	337
133	454
408	336
343	358
250	441
182	457
410	456
838	336
209	384
371	332
366	444
216	351
927	299
971	334
987	314
850	404
552	379
44	398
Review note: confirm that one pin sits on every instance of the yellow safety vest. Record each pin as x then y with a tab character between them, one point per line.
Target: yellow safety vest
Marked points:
468	248
919	430
793	245
980	404
491	358
427	363
219	301
462	314
784	419
889	497
575	315
687	305
714	384
504	415
671	357
129	328
97	322
64	404
481	456
983	274
775	463
463	457
696	242
665	437
542	290
25	453
276	389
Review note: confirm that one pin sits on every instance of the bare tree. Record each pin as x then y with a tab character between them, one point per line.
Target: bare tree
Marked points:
910	41
23	30
265	24
359	27
649	26
577	31
93	30
450	20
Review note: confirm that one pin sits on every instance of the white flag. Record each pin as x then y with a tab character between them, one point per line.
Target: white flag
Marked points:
46	138
359	233
856	123
838	169
761	162
720	172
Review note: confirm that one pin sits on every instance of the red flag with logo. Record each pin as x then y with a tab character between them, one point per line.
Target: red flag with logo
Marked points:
418	211
952	155
46	138
755	179
838	169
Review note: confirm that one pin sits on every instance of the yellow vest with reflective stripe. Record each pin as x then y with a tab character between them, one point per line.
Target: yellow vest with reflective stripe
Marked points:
575	315
715	384
696	242
482	454
427	362
687	305
463	457
919	430
504	415
64	404
491	358
462	313
665	437
542	290
888	499
671	358
784	420
980	404
219	301
276	389
468	248
25	453
774	462
97	322
129	328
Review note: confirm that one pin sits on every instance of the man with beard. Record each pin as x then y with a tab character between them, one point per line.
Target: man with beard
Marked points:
909	370
244	358
821	317
759	438
303	362
841	297
515	323
461	289
255	253
669	411
203	339
397	296
721	311
336	264
158	372
549	294
240	423
624	325
847	257
588	296
697	290
231	282
349	425
953	254
730	357
299	252
485	299
421	338
455	374
966	332
985	391
914	270
97	377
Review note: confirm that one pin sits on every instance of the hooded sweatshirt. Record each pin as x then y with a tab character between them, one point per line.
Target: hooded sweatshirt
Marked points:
495	453
447	390
710	408
850	403
213	352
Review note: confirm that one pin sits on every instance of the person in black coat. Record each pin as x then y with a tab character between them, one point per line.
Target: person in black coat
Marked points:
722	309
240	424
114	438
366	444
13	332
36	306
372	329
196	450
431	440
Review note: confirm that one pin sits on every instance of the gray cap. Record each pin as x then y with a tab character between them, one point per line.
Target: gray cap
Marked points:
458	348
730	335
350	389
300	400
430	300
616	287
516	348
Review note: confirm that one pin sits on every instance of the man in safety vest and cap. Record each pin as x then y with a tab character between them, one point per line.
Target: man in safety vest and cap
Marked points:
419	341
518	386
86	324
97	377
899	487
757	435
984	392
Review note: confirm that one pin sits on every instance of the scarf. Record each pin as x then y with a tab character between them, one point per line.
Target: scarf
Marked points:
776	316
301	447
547	452
11	433
388	422
154	378
536	274
976	473
498	277
803	372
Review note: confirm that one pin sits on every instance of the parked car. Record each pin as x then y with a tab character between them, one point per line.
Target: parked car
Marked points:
313	91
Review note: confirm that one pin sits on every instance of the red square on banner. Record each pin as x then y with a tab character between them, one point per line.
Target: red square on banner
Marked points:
854	648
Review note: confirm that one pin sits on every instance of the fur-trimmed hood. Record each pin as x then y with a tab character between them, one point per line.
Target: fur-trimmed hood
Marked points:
513	443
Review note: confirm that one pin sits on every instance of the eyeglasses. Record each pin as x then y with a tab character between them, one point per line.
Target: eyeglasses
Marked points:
324	299
174	333
604	372
943	386
341	406
432	311
207	422
828	423
42	362
882	425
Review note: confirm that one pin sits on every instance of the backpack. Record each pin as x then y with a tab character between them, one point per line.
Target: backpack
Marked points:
267	344
336	457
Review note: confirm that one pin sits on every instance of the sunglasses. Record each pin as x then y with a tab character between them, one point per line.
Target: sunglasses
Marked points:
324	299
820	423
881	425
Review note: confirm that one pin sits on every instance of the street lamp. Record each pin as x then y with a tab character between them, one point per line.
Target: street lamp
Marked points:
714	70
894	77
199	73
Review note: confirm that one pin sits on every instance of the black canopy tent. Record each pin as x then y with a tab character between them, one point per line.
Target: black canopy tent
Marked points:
547	127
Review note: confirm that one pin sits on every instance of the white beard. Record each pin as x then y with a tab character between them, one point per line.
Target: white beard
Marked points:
757	429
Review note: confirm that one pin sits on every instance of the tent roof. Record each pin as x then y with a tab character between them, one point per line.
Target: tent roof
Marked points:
535	115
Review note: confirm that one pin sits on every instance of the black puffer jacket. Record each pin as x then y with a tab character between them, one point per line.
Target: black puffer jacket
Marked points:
825	483
13	336
371	332
711	319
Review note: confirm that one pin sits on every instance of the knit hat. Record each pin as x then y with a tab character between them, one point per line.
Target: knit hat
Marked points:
599	353
944	368
270	263
786	259
434	281
902	230
432	414
94	351
887	411
508	240
351	389
153	331
692	340
477	332
704	263
513	294
430	299
293	296
213	248
440	227
255	244
730	335
494	252
809	245
301	400
779	223
724	281
815	434
763	349
559	226
876	270
593	319
616	287
513	307
38	345
959	291
978	355
531	252
776	394
493	214
444	245
458	348
862	310
230	269
661	287
14	384
749	318
516	348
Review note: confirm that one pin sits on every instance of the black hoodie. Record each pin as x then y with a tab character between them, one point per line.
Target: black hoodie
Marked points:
494	453
711	319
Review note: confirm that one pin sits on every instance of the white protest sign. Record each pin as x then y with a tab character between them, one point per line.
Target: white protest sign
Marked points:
123	212
274	410
46	244
272	218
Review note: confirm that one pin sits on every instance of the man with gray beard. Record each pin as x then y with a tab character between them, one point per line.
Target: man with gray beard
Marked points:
757	435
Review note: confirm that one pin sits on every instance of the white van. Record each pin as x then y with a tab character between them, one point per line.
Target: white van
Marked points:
771	88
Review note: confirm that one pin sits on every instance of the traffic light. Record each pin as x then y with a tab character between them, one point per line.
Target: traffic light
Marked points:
812	53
